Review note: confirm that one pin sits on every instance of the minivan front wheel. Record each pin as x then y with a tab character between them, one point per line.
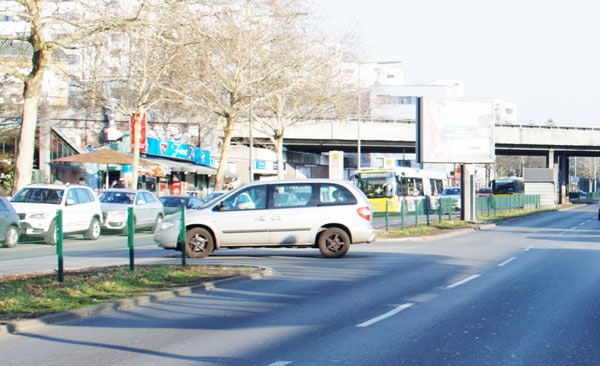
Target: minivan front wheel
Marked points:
199	243
334	242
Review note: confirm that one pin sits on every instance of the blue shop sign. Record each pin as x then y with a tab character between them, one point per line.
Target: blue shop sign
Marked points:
176	150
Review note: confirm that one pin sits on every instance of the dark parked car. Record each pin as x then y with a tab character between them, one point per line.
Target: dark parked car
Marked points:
171	204
484	192
9	223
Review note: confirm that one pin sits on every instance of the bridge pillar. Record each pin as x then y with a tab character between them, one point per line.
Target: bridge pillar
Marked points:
550	159
563	177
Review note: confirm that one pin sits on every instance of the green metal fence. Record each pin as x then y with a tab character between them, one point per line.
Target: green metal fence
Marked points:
424	214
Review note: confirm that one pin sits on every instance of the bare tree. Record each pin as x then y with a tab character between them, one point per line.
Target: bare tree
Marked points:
128	69
512	165
306	88
49	26
227	66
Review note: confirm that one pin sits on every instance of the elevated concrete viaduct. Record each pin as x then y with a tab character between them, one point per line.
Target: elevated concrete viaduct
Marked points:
556	143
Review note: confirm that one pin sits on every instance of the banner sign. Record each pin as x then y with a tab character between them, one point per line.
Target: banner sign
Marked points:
176	150
142	138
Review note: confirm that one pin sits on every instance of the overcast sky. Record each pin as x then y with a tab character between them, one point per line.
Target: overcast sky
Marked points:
543	55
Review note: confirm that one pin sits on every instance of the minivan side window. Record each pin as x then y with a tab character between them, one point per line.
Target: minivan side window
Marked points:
253	198
335	194
292	195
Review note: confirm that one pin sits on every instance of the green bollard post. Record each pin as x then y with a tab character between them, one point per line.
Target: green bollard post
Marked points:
387	216
427	206
417	213
59	245
130	233
402	207
182	236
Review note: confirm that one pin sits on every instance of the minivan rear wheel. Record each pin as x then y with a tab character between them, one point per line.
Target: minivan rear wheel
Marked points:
334	242
199	243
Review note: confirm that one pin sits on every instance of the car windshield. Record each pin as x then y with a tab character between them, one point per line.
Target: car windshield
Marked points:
39	195
117	197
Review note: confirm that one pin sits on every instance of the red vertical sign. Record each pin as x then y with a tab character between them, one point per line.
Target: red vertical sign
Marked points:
142	137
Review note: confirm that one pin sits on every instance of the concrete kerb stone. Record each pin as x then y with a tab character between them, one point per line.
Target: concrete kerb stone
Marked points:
20	326
440	235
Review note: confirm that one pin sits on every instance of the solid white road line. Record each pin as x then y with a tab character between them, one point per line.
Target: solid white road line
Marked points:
461	282
507	262
386	315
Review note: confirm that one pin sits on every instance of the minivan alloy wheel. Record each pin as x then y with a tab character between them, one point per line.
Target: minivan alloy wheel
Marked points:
334	242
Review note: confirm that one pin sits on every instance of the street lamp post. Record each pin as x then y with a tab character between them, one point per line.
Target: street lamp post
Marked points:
359	116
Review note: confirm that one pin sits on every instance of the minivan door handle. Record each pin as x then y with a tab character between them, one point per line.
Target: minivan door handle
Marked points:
275	218
260	218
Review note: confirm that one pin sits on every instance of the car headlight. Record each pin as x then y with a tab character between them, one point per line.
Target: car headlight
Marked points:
39	216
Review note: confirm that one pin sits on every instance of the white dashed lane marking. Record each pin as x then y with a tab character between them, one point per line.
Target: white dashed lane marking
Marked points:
386	315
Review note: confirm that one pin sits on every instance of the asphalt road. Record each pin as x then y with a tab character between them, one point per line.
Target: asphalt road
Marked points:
524	292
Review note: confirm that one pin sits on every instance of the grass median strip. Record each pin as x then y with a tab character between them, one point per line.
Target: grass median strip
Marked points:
31	296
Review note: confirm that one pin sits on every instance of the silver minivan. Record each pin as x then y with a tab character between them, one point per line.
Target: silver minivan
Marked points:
320	213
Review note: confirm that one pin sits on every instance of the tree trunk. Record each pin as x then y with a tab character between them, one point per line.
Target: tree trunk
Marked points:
24	161
219	179
279	154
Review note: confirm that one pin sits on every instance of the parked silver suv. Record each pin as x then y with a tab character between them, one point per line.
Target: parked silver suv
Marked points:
37	205
321	213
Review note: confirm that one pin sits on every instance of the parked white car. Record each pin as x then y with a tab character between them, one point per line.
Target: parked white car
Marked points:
321	213
452	193
37	205
147	209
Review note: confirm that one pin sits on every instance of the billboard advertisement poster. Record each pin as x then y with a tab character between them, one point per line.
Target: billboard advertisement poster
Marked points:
455	131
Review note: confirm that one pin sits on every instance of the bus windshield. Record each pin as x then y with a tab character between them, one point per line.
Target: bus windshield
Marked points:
377	184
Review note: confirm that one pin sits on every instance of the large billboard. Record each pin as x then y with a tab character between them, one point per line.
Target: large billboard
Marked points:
455	131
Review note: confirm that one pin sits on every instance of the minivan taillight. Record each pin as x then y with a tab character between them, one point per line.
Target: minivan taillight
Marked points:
364	212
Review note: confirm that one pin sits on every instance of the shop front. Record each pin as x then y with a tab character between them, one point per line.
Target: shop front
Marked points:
186	168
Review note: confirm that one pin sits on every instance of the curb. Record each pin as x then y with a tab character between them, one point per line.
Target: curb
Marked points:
448	234
19	326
